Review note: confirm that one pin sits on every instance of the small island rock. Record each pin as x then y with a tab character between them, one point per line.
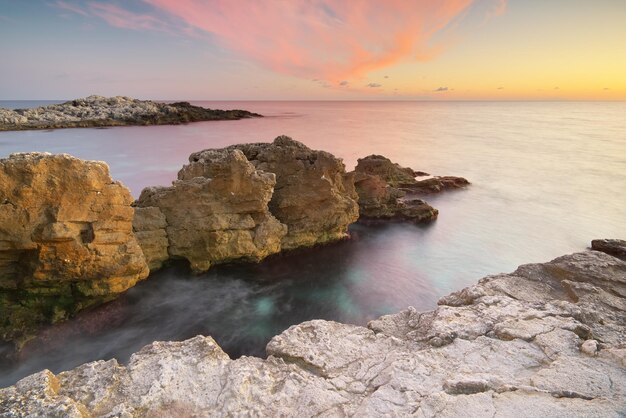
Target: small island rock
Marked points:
97	111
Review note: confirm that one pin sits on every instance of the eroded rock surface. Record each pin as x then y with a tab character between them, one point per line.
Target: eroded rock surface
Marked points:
216	212
388	191
66	240
547	340
313	196
615	247
95	111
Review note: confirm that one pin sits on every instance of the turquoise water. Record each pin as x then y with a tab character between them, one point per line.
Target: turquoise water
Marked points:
546	179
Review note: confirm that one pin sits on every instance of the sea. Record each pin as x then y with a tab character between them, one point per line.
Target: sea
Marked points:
546	178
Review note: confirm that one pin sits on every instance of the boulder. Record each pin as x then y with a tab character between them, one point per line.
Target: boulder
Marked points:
379	200
614	247
529	343
404	178
216	212
313	196
66	240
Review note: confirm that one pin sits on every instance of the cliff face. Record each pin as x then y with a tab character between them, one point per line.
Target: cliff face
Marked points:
215	212
66	239
546	340
314	196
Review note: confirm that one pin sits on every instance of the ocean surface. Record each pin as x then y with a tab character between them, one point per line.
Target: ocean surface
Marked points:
547	178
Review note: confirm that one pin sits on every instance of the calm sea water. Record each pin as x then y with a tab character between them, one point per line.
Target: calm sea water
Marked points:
546	179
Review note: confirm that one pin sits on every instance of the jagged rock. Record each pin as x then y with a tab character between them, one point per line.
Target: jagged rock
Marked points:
378	200
404	178
615	247
216	212
149	227
66	240
438	184
382	188
313	196
111	111
507	346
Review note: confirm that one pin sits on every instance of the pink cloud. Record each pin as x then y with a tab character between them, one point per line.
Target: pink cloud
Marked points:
71	8
122	18
329	39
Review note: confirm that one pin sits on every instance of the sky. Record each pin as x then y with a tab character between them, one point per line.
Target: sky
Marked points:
314	49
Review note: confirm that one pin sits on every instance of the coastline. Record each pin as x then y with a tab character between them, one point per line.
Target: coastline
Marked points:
546	339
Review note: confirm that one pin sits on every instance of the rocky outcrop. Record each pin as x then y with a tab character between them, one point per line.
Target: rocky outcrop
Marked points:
66	240
216	212
379	200
547	340
313	195
149	226
615	247
388	191
94	111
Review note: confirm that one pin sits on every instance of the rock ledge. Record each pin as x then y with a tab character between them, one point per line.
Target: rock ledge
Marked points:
546	340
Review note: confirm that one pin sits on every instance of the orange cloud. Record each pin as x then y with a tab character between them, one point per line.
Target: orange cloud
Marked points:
327	39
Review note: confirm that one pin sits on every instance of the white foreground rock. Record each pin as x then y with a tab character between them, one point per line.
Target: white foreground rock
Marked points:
513	345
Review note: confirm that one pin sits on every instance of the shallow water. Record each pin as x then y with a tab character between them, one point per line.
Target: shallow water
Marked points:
546	179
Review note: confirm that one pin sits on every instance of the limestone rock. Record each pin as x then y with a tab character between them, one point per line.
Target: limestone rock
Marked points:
313	196
216	212
615	247
388	191
507	346
404	178
111	111
149	227
66	239
378	200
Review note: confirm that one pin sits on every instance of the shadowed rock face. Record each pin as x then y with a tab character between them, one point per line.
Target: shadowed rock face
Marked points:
547	340
95	111
615	247
313	196
66	240
215	212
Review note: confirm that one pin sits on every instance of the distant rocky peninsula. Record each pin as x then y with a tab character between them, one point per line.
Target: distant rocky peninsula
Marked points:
71	237
98	111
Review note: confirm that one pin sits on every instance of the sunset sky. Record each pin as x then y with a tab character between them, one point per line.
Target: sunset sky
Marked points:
314	49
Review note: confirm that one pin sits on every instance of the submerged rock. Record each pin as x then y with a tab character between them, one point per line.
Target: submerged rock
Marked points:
94	111
66	240
314	196
216	212
388	191
547	340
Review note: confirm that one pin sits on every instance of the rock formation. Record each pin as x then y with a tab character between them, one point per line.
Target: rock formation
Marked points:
313	196
66	240
615	247
96	111
388	191
216	212
547	340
